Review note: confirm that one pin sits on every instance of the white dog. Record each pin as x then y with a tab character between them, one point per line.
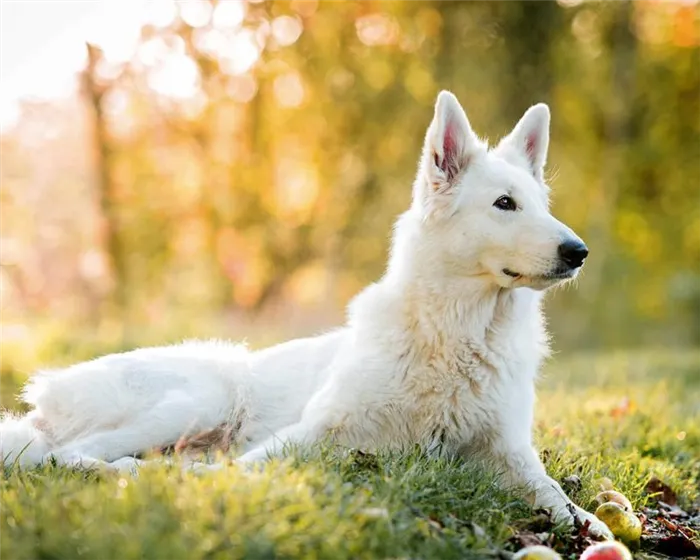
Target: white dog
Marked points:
442	352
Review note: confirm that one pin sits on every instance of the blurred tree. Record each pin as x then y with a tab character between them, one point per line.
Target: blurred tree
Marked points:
527	30
251	157
110	229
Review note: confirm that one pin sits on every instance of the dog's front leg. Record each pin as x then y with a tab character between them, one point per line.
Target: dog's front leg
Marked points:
306	432
332	410
302	433
522	468
510	448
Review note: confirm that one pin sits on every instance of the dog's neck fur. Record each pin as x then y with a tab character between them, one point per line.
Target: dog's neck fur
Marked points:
475	307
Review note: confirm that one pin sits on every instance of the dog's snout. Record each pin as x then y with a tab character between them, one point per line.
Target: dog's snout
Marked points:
573	252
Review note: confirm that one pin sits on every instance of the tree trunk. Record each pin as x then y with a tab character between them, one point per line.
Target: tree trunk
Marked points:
104	184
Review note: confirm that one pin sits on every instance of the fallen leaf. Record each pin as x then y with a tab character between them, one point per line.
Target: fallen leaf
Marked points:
677	545
671	511
524	539
582	539
669	530
668	524
643	518
540	522
661	491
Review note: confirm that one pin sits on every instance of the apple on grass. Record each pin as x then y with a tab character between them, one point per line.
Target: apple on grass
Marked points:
624	524
615	497
538	552
609	550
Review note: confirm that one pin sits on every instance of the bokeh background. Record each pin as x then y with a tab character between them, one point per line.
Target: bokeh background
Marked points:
233	168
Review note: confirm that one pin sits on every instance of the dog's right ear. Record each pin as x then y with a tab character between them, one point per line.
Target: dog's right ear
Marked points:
450	144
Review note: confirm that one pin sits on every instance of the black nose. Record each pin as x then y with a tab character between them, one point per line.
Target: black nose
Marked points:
573	252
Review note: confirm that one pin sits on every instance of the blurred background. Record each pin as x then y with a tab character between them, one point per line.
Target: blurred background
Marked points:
233	168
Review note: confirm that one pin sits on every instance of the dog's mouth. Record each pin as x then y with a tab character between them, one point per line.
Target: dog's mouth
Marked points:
554	276
557	276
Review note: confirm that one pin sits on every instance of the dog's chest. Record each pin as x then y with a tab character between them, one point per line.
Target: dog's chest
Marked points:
449	396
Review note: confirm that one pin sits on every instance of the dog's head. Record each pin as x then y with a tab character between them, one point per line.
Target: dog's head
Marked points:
484	212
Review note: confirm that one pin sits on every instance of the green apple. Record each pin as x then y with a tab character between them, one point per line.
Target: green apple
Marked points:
538	552
613	496
622	523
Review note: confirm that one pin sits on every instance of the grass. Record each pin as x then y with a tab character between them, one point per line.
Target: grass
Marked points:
625	416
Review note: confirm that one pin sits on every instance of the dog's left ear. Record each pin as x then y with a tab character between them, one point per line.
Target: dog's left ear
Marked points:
527	144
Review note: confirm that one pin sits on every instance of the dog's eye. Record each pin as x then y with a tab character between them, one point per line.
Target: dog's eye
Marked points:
505	203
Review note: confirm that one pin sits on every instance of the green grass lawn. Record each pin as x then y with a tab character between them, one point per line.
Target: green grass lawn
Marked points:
625	416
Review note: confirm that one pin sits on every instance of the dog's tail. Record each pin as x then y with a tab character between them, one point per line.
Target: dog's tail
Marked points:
21	443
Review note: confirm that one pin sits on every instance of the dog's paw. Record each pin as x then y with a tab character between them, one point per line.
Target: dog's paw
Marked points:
197	467
599	530
127	466
254	457
596	528
248	465
78	461
574	516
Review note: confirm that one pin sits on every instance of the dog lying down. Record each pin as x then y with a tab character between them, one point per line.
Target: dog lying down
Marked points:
442	352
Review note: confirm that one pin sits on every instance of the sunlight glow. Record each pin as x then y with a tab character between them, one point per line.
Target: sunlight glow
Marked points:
9	114
286	30
377	29
289	90
160	13
210	41
262	33
115	30
240	53
242	88
195	13
296	186
115	27
229	15
116	104
308	284
54	55
152	51
177	76
50	73
61	60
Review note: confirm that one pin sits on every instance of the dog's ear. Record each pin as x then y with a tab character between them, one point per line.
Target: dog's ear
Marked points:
449	144
527	144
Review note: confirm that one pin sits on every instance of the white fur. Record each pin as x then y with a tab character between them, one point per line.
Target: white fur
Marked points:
442	352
